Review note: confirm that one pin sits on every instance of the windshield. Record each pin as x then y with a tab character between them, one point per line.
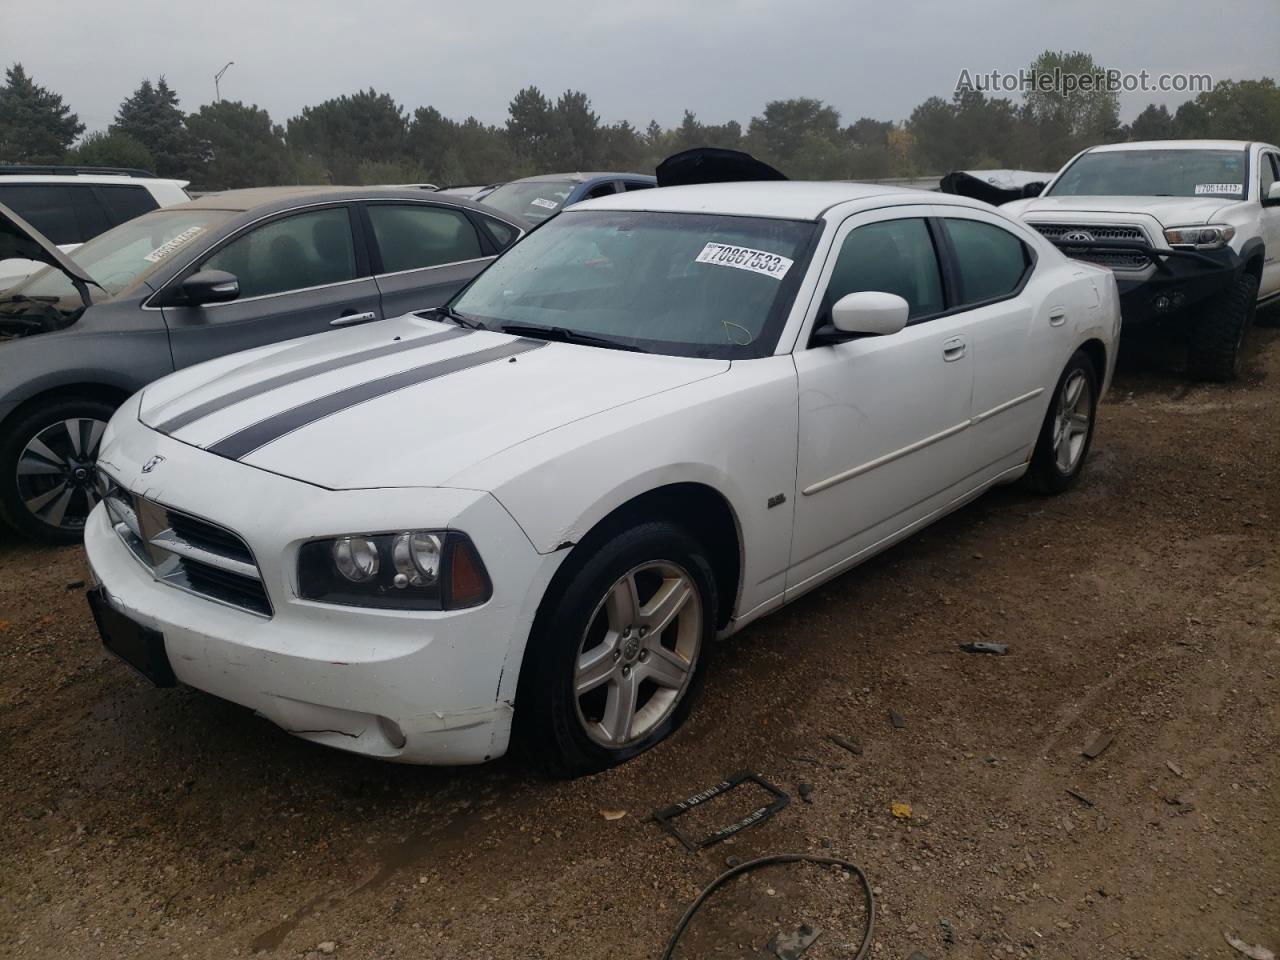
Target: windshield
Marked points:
121	257
688	284
1156	173
532	199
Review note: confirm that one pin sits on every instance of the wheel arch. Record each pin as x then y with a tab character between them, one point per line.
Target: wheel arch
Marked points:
85	389
701	509
1096	351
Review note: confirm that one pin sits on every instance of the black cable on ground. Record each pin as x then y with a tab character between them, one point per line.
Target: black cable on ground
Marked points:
741	868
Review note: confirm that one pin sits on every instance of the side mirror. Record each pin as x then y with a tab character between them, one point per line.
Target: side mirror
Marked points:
210	286
870	312
1273	193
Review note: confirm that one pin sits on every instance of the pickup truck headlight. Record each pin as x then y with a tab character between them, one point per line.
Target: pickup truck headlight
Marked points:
1210	237
409	570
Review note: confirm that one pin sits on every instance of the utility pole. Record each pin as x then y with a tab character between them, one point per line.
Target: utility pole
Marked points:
217	92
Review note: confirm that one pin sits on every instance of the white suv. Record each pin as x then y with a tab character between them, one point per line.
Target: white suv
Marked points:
1191	229
70	205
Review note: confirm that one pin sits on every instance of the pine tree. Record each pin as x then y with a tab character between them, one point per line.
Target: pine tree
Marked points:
151	116
35	125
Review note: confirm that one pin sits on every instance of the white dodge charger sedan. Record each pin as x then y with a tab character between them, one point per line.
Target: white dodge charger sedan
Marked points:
658	417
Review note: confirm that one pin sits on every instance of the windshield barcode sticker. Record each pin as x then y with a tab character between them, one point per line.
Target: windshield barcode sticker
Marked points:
744	258
162	251
539	202
1203	188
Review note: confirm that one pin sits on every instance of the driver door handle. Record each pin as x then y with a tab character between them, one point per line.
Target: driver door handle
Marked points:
347	319
954	349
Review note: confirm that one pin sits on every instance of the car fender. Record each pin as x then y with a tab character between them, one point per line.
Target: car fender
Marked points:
735	434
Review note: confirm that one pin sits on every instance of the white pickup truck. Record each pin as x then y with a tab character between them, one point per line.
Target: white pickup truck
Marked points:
1191	229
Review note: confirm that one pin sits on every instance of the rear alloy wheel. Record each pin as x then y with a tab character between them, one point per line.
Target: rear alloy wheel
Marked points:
48	463
616	656
1067	432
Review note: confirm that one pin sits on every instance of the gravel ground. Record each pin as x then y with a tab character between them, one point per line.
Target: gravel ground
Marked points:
149	823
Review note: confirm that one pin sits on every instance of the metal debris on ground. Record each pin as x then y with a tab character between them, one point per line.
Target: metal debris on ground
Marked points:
853	746
982	646
779	859
1097	745
665	816
792	945
897	719
948	935
1254	951
1080	796
1173	768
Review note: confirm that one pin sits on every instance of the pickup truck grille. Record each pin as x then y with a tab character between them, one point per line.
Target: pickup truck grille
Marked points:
187	552
1119	260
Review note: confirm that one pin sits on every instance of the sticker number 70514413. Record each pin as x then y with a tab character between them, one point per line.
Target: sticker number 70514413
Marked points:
744	258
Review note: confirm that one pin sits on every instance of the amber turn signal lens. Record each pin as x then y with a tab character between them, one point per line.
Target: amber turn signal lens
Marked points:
468	580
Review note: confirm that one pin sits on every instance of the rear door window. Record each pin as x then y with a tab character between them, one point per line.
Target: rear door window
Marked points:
991	261
124	203
412	236
306	250
891	256
630	185
63	212
503	234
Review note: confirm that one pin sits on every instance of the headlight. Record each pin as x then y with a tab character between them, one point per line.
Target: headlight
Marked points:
1200	238
410	570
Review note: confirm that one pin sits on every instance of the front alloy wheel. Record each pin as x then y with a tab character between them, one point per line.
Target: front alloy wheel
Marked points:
638	654
48	482
615	659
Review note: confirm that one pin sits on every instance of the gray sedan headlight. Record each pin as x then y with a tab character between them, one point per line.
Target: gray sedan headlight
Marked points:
410	570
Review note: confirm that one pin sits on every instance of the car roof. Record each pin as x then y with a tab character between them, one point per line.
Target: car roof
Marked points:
266	200
98	178
1173	145
783	199
582	177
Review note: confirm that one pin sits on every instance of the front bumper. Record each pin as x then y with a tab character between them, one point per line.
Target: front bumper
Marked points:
1176	281
413	686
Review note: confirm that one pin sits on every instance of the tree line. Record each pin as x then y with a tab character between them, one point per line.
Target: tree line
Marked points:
367	137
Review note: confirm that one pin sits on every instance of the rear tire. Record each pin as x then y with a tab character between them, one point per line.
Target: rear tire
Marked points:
1067	432
47	462
1217	340
610	672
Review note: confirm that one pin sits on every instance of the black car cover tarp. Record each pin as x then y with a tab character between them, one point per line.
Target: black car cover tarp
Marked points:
713	165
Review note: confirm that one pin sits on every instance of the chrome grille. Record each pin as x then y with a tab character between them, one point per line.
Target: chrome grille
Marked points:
187	552
1119	260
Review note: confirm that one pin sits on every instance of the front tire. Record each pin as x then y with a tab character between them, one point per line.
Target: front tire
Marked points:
47	462
615	660
1216	345
1067	432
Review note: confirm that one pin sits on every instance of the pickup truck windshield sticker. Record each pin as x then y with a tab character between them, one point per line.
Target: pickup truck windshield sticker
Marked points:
166	248
539	202
744	258
1206	188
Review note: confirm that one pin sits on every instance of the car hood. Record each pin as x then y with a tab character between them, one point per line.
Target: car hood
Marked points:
409	402
20	240
1169	211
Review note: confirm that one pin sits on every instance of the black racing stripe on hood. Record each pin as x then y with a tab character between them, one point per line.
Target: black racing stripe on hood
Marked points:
200	411
246	441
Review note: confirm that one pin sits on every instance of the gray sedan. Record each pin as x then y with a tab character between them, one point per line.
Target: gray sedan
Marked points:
188	283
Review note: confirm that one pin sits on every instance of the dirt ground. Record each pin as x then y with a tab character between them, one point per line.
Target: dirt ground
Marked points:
148	823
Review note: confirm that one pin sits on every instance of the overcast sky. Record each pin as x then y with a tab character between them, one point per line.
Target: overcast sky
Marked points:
637	61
